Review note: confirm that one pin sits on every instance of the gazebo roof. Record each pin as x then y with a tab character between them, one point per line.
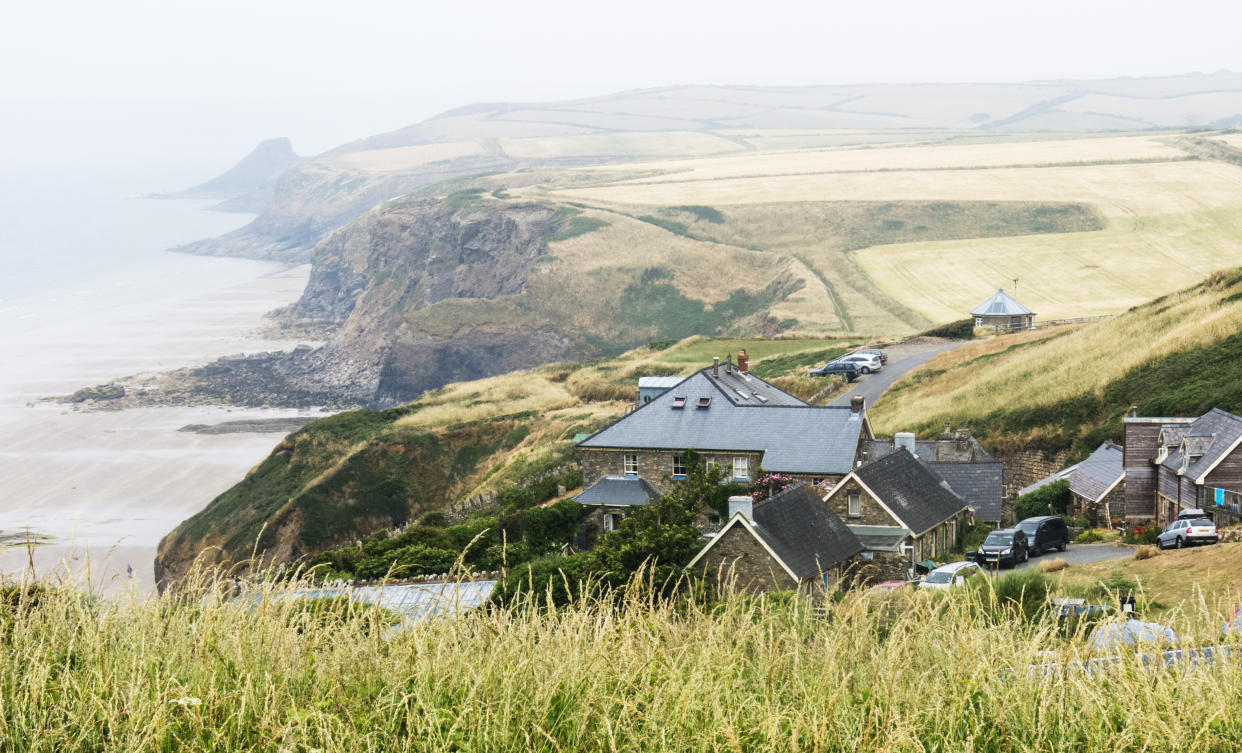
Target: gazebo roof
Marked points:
1001	304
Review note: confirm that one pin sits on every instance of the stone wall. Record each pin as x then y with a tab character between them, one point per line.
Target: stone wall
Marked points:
1028	466
881	567
870	512
738	562
656	466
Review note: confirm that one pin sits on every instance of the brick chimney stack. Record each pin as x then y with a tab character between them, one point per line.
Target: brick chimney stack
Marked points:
857	403
743	361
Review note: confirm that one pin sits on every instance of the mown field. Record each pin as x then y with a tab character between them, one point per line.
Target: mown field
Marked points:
1166	220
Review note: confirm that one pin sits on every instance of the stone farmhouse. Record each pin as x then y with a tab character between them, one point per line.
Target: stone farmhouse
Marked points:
1097	482
790	541
960	460
1180	463
1002	312
901	510
733	419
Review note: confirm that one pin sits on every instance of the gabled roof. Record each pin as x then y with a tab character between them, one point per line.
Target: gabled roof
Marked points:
1096	476
1226	431
1001	304
618	491
798	530
979	483
741	413
910	490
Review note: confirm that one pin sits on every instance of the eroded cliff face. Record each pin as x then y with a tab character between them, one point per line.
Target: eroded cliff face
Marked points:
377	279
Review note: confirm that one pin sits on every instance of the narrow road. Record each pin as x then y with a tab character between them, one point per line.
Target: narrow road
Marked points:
1081	554
871	386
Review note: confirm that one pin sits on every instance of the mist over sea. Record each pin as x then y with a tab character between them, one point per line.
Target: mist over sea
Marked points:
89	293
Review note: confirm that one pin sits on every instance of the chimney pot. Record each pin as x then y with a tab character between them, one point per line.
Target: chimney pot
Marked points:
743	361
742	504
715	366
857	403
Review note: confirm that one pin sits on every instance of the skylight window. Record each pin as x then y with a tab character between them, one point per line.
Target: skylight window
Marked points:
762	399
743	394
704	402
679	402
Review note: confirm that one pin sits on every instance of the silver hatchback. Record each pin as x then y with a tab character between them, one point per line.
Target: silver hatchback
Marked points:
1184	532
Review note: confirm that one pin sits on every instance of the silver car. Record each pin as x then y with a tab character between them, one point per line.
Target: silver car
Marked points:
866	362
1184	532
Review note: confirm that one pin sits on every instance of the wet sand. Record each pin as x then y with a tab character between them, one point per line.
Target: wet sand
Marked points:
108	485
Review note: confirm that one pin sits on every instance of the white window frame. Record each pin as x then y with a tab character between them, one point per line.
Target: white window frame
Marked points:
741	463
978	321
679	461
854	500
629	465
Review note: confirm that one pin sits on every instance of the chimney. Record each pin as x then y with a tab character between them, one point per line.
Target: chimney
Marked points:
743	361
904	440
742	504
857	404
962	439
715	366
948	431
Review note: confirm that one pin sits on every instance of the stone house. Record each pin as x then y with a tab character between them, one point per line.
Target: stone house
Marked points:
790	541
1097	482
1002	312
1179	463
733	419
610	499
901	500
961	461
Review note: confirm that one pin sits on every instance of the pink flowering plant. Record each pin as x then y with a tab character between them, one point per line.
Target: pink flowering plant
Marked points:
768	484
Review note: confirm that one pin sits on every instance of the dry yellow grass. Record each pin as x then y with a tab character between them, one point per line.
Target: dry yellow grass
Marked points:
401	159
1082	361
916	157
661	144
1232	139
1179	579
487	398
1053	565
1146	552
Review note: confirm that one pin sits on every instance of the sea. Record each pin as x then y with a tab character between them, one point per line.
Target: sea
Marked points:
89	292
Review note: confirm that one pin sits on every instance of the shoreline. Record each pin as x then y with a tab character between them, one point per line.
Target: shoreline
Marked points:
107	485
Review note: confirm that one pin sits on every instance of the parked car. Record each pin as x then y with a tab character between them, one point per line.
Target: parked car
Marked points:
1045	532
874	352
1111	636
866	362
1192	514
952	574
1004	546
1182	533
849	370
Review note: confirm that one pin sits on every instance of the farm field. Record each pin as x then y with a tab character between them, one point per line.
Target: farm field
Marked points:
1166	221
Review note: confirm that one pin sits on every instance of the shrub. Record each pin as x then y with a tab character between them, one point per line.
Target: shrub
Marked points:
963	329
1146	552
1142	534
1021	592
1089	536
1048	499
1053	565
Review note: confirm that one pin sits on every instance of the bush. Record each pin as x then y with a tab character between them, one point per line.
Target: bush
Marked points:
1142	535
1089	536
1049	499
1024	592
972	538
1146	552
963	329
1053	565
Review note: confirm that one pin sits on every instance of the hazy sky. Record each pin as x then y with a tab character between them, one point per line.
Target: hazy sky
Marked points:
186	86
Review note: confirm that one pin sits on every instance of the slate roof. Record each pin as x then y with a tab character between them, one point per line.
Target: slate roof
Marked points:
1099	473
915	493
794	437
803	531
980	483
1223	428
618	491
658	382
879	537
930	450
1001	304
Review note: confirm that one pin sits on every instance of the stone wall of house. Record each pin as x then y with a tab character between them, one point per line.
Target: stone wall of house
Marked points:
1025	467
656	466
881	567
870	513
738	562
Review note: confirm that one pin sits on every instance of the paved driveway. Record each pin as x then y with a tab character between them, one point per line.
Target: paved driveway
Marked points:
871	386
1080	554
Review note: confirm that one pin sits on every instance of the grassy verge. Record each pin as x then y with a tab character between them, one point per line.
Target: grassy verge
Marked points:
913	672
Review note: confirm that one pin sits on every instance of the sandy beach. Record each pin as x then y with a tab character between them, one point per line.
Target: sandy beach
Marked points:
105	486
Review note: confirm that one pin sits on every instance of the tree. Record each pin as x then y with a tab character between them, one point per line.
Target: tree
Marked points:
1049	499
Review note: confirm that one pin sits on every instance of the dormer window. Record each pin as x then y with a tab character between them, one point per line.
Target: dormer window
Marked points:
704	402
679	402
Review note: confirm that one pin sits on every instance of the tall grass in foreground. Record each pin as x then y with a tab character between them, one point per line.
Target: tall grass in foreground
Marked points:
914	673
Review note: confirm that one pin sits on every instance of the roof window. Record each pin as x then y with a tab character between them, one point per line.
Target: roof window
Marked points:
743	394
704	402
679	402
762	399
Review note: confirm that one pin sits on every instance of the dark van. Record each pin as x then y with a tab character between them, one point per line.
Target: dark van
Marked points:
1045	532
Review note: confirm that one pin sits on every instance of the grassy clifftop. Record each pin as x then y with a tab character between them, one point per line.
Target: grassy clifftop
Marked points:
1179	354
342	478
